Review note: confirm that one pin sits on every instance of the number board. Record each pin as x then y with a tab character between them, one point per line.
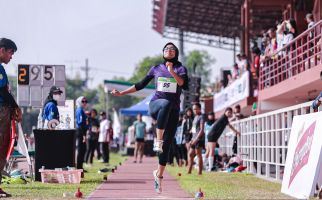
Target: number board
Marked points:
35	81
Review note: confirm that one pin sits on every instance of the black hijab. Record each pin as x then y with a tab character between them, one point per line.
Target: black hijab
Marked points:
175	59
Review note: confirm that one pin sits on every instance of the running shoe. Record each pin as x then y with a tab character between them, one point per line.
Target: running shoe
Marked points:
157	182
158	146
4	194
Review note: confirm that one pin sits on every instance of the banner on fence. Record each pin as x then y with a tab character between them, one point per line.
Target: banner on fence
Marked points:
303	163
236	91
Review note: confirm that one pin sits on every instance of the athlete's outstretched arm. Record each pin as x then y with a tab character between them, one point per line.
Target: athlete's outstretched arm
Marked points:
136	87
124	92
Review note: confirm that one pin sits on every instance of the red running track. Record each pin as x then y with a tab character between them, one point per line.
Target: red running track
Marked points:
135	181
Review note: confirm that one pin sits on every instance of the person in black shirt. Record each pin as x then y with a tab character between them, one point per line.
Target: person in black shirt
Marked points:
92	136
216	130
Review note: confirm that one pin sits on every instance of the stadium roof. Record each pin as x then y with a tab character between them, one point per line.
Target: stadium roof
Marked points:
213	22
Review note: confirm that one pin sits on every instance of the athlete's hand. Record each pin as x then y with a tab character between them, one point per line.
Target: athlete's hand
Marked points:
169	66
116	93
238	133
193	142
17	115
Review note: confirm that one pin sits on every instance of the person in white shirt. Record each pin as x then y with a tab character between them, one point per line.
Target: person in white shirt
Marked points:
105	136
310	21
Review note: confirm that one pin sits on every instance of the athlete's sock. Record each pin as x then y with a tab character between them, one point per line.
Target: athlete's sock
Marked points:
210	162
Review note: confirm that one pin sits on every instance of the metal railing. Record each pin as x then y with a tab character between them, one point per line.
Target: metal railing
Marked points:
301	54
264	140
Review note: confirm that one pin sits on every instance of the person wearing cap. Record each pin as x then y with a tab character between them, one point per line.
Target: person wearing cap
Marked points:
105	137
9	109
50	110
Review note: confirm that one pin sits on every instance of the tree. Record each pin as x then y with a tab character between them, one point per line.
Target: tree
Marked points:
199	63
144	66
75	88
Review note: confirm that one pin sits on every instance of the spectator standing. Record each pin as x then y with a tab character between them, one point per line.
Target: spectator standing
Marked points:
237	116
139	132
256	64
50	109
290	31
106	131
279	36
197	142
208	124
9	109
244	64
92	136
273	43
180	143
81	126
187	125
310	21
235	72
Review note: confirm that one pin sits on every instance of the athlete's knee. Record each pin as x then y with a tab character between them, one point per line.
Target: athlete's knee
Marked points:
166	104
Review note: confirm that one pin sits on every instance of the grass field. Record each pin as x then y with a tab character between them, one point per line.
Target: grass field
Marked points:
38	190
219	185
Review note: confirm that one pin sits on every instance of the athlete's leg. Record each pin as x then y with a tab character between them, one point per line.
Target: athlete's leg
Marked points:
168	137
160	110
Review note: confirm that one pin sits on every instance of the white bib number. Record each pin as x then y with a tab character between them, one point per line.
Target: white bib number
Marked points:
167	85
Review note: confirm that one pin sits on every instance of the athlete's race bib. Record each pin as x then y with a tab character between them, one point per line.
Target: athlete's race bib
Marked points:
167	85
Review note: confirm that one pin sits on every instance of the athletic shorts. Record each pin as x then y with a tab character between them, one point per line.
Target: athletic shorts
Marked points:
199	144
140	139
213	137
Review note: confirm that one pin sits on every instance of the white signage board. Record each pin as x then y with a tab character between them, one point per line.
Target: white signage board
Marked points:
47	75
35	81
24	96
35	75
237	91
67	115
60	76
35	96
303	163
